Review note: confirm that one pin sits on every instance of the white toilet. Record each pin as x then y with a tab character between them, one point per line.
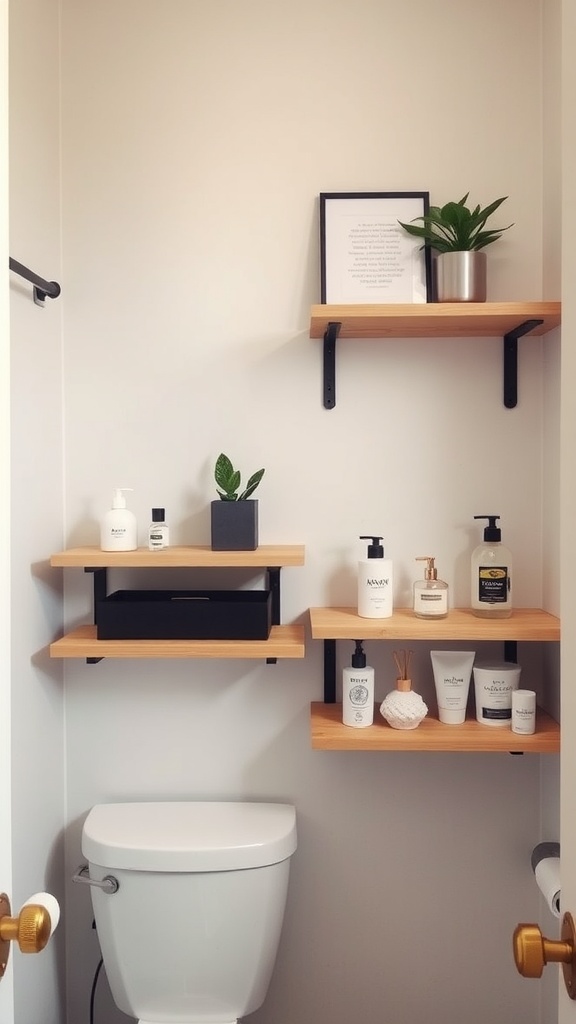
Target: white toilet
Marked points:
191	934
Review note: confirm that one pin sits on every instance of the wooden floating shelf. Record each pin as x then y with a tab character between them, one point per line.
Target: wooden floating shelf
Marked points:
328	733
507	320
434	319
180	557
459	624
283	642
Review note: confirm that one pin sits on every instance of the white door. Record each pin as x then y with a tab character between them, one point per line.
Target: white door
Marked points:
567	1007
6	988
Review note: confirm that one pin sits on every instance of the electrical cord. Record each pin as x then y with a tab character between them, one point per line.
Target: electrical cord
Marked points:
93	992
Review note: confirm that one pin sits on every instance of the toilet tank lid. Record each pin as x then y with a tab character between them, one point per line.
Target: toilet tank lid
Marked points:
189	835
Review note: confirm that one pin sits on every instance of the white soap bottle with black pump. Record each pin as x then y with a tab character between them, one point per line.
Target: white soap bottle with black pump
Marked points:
375	582
358	691
491	575
119	529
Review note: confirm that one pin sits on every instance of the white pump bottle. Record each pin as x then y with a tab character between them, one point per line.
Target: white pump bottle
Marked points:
358	691
375	582
119	529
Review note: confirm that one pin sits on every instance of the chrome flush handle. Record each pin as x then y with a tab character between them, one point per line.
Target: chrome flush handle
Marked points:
109	884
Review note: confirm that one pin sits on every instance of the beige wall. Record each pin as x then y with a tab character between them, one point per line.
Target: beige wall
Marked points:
195	141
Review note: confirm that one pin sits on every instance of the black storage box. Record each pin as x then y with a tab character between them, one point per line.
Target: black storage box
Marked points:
184	615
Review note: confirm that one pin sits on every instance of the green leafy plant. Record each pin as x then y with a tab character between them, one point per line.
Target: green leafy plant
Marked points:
228	480
456	228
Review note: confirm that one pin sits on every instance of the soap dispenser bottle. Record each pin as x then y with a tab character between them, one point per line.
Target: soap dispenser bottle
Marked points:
158	531
358	691
430	594
491	565
119	530
375	582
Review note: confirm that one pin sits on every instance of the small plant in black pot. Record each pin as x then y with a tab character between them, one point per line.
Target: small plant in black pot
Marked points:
228	480
458	234
234	515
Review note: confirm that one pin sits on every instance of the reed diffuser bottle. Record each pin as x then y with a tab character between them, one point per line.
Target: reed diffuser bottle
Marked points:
402	708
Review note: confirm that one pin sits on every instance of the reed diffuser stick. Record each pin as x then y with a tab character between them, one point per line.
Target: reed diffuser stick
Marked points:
402	659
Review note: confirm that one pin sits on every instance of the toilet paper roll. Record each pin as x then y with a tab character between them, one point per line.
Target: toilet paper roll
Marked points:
50	903
547	873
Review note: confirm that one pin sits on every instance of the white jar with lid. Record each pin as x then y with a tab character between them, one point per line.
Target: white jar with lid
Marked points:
494	683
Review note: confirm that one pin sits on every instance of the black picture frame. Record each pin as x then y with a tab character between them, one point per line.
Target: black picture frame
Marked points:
365	256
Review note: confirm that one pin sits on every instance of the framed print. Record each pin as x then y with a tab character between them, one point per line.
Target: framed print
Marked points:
366	257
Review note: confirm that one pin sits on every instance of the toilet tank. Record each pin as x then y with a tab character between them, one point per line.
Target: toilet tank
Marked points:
192	933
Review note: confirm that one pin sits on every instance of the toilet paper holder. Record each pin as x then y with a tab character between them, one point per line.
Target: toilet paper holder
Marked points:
30	929
545	862
532	951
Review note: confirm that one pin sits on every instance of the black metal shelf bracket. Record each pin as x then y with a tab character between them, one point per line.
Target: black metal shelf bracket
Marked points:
329	671
273	574
42	289
511	651
100	586
511	360
330	335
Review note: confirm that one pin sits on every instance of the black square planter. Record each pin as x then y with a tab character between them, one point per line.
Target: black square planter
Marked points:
234	525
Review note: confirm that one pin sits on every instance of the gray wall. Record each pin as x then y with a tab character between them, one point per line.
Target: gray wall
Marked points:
34	506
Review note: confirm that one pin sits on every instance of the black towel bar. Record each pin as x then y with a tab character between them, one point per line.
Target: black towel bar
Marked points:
42	288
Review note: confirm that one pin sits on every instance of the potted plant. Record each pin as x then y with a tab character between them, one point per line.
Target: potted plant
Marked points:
234	514
459	236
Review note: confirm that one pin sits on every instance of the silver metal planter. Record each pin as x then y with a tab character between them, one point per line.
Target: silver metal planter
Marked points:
461	276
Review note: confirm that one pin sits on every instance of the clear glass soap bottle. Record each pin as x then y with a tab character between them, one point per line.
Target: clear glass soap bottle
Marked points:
491	575
430	594
159	532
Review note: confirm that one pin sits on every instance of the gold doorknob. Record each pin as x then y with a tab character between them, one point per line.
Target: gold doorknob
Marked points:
532	952
31	929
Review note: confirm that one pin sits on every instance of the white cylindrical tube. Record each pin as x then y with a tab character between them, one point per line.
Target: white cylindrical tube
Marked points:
50	903
546	867
524	711
547	874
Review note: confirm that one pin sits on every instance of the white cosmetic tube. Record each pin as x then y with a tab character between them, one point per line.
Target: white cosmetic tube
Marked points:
452	674
524	711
